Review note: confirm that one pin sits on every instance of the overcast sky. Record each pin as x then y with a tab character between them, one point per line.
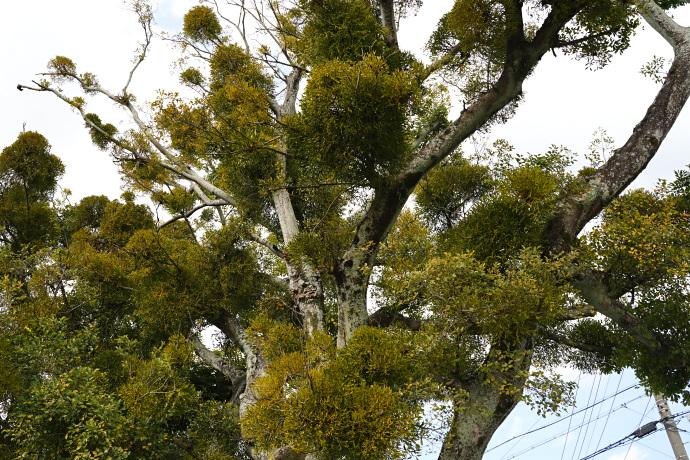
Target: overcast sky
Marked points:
564	104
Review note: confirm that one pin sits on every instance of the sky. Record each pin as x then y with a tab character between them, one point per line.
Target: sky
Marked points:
564	104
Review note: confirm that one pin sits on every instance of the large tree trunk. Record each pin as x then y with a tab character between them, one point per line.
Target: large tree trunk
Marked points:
485	401
306	289
473	426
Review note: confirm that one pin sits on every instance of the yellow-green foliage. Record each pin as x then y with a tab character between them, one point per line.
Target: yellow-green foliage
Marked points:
446	192
641	245
155	388
349	403
232	130
215	432
121	221
323	246
82	422
28	180
201	24
499	226
101	134
353	120
344	30
178	281
594	17
478	24
511	302
643	237
408	248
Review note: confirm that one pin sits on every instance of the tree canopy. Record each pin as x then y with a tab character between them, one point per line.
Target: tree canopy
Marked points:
375	285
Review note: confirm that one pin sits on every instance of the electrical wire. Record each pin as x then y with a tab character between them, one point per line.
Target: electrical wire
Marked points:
589	398
519	440
630	439
638	425
565	433
601	407
610	409
565	443
564	418
655	450
591	413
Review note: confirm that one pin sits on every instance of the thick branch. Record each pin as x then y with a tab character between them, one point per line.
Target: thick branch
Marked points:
191	212
388	21
442	62
209	357
352	270
237	377
673	33
595	292
231	327
574	212
384	318
559	338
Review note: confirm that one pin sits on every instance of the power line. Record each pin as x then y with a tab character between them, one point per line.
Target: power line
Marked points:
564	418
565	433
610	409
631	438
638	426
591	413
640	433
579	433
565	443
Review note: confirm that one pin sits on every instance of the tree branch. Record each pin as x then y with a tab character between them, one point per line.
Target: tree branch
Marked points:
603	33
572	213
386	318
237	377
559	338
215	361
442	62
673	33
191	212
388	200
184	171
145	18
595	292
387	8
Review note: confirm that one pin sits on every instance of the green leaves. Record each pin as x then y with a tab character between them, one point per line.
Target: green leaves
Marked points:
201	25
353	121
354	403
28	180
340	30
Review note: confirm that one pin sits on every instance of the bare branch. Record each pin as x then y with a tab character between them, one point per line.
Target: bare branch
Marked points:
268	245
218	363
442	62
145	18
237	377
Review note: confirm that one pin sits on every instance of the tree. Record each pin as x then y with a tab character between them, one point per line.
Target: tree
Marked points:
286	179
